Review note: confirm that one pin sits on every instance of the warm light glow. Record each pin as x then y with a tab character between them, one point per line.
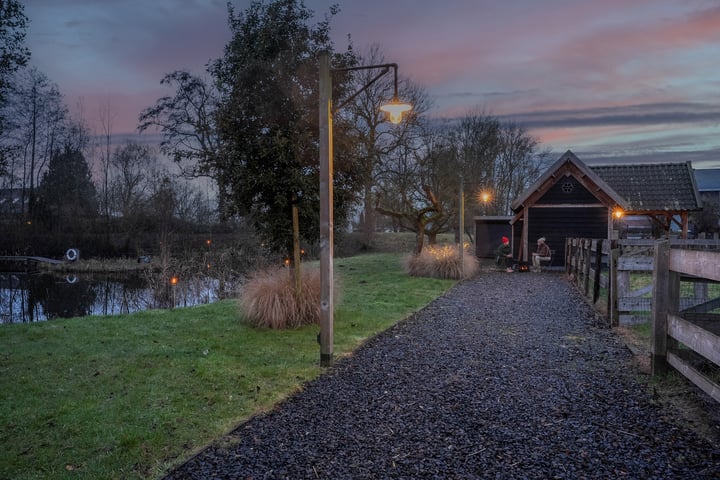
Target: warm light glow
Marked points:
485	197
617	213
173	281
395	110
208	242
287	262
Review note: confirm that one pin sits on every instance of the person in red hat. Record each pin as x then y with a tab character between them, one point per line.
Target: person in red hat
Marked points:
503	255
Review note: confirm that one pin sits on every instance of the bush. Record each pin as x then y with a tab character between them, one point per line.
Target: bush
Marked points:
268	299
441	262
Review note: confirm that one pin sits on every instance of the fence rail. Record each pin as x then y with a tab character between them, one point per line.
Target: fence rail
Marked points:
686	329
604	270
680	335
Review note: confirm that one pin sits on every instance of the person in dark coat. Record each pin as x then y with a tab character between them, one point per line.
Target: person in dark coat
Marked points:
503	255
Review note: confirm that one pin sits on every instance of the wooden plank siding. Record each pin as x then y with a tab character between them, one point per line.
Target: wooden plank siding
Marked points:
566	210
558	222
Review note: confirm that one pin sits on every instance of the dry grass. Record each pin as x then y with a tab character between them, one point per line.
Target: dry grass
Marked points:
268	299
108	265
441	261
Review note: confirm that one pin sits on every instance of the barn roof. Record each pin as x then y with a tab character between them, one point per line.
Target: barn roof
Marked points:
638	188
653	186
568	164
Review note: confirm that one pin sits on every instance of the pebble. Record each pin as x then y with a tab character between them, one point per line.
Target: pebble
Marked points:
507	376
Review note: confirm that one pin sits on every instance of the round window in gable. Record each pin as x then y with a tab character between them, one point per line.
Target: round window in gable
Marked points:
568	187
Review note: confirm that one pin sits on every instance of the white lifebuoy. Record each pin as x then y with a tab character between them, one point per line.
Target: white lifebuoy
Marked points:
72	254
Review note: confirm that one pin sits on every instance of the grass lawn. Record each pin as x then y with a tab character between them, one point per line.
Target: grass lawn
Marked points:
129	396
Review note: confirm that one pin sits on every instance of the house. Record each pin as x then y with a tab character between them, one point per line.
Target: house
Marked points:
572	199
13	202
708	184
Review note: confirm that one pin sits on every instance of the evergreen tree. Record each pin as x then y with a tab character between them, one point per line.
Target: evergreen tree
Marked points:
67	194
268	121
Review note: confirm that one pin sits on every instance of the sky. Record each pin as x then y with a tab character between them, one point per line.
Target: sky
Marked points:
612	80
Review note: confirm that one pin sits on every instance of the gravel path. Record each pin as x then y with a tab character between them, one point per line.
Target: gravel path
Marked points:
507	376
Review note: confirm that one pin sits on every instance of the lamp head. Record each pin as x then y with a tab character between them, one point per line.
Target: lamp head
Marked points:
395	110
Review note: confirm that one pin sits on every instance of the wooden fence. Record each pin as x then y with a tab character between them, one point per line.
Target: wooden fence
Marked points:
685	338
603	270
685	330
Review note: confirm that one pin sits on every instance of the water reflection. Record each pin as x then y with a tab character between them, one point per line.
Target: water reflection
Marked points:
28	297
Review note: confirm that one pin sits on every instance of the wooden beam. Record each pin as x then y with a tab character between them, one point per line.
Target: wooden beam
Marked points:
704	383
704	342
660	308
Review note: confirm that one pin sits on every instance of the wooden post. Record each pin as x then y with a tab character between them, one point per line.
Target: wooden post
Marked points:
613	295
659	314
587	243
326	213
296	247
598	271
579	269
568	242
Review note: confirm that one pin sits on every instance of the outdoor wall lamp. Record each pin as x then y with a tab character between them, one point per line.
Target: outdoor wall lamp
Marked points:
395	110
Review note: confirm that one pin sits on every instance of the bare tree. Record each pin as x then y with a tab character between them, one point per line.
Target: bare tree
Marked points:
187	122
106	126
376	138
130	186
40	126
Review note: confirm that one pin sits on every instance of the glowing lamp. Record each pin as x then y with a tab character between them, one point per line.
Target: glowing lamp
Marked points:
617	213
395	110
173	281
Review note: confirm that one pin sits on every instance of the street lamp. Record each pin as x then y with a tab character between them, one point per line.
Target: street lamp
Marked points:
395	110
485	198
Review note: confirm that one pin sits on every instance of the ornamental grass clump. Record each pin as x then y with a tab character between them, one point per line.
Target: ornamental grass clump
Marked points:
268	299
441	262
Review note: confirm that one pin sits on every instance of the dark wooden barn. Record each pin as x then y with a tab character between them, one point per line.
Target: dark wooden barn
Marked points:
572	199
489	231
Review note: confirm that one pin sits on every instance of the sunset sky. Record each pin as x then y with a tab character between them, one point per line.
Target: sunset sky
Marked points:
611	80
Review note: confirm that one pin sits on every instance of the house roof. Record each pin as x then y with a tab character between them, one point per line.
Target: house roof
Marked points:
708	179
646	187
653	186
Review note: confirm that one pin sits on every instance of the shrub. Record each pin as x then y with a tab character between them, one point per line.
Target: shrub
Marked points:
441	262
268	299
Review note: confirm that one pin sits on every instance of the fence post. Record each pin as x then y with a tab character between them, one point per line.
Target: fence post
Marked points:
659	314
586	266
598	268
613	295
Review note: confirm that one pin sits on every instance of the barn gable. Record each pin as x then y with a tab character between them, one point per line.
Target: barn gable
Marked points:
573	200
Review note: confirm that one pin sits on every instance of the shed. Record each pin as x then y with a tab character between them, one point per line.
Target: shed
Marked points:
489	231
572	199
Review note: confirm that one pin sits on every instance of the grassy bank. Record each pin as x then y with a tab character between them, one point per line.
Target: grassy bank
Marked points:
128	396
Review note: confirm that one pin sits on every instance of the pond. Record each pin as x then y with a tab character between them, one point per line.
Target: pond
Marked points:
35	297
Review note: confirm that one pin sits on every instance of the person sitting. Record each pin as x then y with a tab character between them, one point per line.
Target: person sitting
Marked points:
542	254
503	255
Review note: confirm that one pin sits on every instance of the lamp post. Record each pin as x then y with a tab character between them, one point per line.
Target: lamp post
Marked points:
395	109
485	198
461	228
